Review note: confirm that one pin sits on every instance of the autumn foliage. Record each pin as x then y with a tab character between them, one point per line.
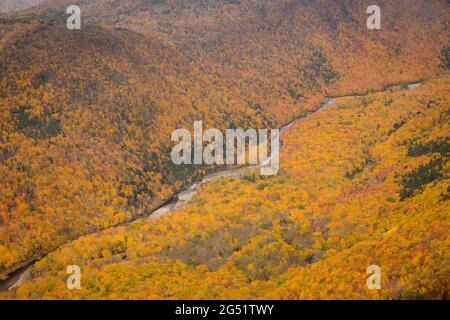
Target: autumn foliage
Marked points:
310	232
85	124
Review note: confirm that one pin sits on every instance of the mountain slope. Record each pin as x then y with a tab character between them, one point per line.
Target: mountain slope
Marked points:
14	5
338	206
86	116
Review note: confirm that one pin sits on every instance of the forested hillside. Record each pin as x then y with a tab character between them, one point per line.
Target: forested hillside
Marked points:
86	115
363	182
13	5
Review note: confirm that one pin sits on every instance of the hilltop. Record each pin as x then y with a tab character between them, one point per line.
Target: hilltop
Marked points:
14	5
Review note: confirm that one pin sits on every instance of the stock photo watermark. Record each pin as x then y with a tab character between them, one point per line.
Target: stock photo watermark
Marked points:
74	20
234	142
374	20
374	280
73	282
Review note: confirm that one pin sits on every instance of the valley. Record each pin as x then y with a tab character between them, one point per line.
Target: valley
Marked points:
86	118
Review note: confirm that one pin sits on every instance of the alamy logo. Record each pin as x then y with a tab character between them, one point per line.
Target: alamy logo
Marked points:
374	20
374	280
74	20
74	280
237	142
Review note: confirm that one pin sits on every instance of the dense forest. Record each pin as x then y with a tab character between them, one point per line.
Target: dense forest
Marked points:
85	123
337	206
14	5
